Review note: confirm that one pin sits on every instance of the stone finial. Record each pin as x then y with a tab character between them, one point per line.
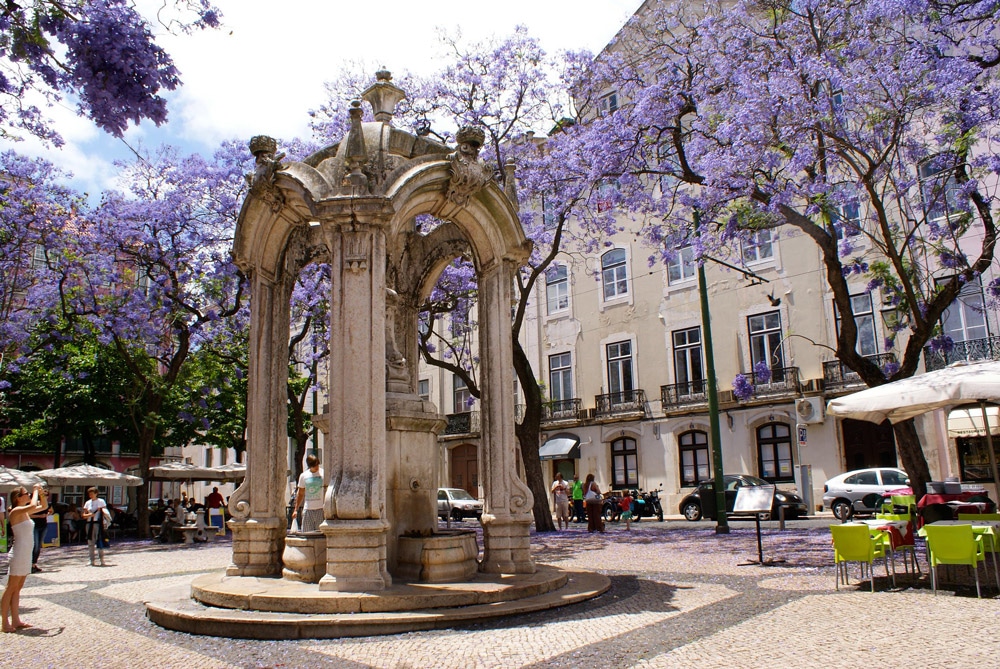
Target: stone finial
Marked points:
263	144
383	96
471	135
357	153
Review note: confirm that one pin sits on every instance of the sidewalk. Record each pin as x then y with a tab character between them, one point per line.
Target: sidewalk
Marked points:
679	599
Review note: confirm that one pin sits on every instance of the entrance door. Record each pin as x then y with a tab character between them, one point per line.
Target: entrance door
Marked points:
868	445
465	469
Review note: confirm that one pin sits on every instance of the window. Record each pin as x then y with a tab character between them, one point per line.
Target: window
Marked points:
847	220
549	219
974	457
939	190
560	377
208	456
688	372
682	267
459	318
965	318
774	448
765	338
624	463
608	104
614	274
863	478
892	477
758	247
463	400
556	289
694	458
38	257
620	383
424	389
864	320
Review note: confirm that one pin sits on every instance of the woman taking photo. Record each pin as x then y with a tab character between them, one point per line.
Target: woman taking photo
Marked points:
22	505
93	513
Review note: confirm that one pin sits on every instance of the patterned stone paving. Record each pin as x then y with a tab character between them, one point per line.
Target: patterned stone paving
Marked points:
681	596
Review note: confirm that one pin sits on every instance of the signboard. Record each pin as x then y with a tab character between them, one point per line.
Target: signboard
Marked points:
803	432
754	499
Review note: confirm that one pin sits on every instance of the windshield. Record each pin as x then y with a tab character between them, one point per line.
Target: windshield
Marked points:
753	480
458	493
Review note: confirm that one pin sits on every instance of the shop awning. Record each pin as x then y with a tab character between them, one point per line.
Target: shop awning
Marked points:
560	447
968	422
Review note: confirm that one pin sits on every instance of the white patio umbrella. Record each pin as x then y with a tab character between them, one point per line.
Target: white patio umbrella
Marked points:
15	478
958	384
183	471
87	475
234	471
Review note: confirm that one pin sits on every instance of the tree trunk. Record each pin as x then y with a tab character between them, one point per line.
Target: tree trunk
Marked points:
528	432
912	455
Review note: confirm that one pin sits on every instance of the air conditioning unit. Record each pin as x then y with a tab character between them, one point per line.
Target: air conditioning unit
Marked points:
809	409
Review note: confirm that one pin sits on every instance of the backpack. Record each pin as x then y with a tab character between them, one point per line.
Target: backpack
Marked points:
105	517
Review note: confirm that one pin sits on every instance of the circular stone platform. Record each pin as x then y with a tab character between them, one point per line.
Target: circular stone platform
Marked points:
266	608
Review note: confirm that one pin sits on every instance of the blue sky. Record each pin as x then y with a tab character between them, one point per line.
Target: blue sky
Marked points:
264	69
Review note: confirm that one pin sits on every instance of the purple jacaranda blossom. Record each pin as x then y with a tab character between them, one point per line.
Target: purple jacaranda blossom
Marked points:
742	388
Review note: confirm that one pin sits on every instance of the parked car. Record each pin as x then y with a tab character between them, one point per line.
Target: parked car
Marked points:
701	503
861	490
461	504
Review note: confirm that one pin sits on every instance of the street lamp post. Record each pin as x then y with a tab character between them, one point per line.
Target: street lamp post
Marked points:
722	522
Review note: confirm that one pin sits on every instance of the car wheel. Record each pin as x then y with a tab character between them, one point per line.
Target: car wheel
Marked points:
608	514
842	510
456	514
691	511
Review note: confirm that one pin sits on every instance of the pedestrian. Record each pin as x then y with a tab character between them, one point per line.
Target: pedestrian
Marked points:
626	506
594	499
560	495
41	520
577	489
93	513
3	524
22	505
309	496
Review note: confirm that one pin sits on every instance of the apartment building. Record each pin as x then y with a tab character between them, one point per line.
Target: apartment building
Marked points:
620	347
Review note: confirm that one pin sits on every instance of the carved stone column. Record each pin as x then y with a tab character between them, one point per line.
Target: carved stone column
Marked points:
258	504
355	525
507	516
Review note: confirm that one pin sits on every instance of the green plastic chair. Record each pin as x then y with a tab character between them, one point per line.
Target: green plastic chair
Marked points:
954	544
855	543
979	516
991	542
904	500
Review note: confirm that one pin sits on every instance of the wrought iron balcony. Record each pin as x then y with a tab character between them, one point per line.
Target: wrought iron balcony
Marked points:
784	381
987	348
620	403
684	394
561	410
837	375
463	423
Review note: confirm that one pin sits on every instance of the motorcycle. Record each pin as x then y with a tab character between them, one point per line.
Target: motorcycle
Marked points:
645	504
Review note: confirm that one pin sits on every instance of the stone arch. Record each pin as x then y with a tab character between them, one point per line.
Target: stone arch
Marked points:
353	204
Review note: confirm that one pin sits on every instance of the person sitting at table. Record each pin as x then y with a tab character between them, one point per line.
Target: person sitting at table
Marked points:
71	523
172	518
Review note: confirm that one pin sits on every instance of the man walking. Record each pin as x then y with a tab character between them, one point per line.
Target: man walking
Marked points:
577	489
309	496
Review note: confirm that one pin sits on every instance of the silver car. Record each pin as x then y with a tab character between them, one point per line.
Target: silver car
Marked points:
860	490
459	503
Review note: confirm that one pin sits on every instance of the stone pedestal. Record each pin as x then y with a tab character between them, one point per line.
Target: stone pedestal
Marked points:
257	546
355	555
507	549
447	556
411	463
304	557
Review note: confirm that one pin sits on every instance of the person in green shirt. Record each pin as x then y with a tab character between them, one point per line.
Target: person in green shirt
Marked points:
577	492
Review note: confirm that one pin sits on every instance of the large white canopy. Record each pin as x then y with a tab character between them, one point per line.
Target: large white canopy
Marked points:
87	475
183	471
955	385
15	478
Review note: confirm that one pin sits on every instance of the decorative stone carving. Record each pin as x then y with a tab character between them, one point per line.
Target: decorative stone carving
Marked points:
356	250
396	371
268	163
468	173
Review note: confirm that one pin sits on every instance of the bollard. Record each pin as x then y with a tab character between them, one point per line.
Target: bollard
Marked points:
781	517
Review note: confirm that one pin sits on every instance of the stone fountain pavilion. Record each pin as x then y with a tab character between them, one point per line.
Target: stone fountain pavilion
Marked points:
379	563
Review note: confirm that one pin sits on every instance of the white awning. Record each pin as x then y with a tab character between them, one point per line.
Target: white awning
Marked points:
968	422
559	447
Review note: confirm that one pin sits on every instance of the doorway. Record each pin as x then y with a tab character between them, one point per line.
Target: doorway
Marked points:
868	445
465	469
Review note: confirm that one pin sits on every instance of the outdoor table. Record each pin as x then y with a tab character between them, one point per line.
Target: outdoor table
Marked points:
989	529
945	499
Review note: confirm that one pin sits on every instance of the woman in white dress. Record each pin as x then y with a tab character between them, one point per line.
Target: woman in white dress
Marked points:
22	505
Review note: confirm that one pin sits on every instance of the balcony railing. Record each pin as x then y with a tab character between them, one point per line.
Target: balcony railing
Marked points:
838	375
463	423
987	348
561	410
621	403
784	381
684	394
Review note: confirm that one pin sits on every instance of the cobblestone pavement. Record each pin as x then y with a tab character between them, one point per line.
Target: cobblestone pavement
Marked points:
681	597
